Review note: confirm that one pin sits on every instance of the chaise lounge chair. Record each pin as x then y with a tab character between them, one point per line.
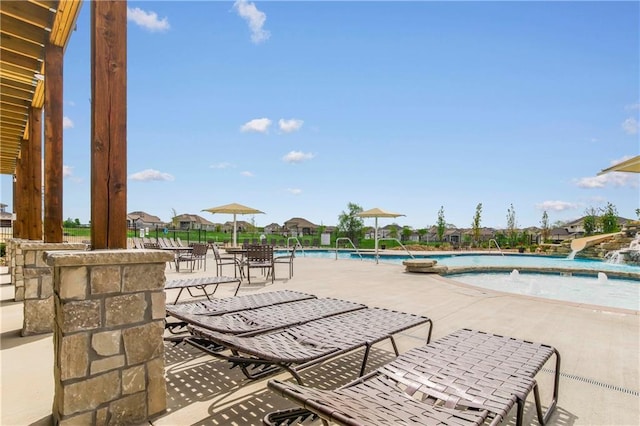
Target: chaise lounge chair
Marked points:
302	346
466	376
227	305
269	318
200	284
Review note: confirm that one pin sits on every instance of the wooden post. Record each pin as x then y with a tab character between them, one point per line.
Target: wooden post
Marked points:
53	144
18	200
34	175
109	124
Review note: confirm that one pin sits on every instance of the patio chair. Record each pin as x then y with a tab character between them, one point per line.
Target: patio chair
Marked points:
261	257
302	346
269	318
467	372
196	256
288	258
222	260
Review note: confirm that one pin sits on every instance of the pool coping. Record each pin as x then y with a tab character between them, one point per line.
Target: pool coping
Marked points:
447	277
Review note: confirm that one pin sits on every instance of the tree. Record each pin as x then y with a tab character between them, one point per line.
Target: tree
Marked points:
174	218
406	233
350	225
393	231
475	224
422	232
590	221
512	231
441	224
544	224
70	223
609	219
638	213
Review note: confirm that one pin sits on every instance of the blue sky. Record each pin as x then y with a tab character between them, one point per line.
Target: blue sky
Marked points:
298	108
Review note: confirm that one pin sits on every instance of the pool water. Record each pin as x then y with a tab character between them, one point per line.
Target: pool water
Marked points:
594	290
482	260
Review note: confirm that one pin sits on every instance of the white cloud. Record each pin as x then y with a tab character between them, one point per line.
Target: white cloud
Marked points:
71	103
297	157
147	20
260	125
247	174
632	107
67	171
255	18
223	165
557	206
150	175
630	126
607	179
289	126
294	191
66	122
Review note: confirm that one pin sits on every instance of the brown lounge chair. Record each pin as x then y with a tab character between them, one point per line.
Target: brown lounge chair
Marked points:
463	378
302	346
269	318
200	284
227	305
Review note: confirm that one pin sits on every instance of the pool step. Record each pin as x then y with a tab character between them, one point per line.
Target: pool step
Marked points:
424	266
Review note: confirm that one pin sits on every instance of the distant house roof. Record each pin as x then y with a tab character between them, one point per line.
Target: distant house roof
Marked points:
193	218
300	223
143	216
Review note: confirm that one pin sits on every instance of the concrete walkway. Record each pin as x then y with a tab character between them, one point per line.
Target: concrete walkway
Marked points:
600	348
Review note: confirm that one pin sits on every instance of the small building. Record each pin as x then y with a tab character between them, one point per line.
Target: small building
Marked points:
141	219
193	221
298	226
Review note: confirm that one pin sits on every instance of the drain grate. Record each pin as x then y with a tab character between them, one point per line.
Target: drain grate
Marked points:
594	382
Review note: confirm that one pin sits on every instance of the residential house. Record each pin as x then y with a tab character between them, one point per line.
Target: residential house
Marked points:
6	218
139	220
298	226
193	221
241	226
273	228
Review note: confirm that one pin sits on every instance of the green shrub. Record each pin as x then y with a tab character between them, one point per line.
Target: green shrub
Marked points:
3	249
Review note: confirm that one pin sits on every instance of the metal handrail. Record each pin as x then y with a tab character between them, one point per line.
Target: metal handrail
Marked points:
298	244
352	245
497	245
401	245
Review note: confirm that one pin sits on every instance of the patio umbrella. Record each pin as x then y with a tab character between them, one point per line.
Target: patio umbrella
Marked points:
631	165
234	209
376	213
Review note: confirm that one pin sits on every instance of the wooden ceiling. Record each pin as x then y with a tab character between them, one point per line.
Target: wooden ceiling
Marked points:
25	27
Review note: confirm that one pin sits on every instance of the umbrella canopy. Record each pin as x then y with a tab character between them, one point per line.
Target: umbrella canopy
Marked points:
234	209
376	213
631	165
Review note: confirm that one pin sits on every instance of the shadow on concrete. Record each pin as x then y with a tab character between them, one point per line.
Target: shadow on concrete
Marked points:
12	338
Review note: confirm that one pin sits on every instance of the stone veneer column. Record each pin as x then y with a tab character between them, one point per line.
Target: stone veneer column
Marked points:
37	288
108	346
16	265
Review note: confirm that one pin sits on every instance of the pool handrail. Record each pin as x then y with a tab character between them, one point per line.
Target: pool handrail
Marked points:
401	245
352	245
497	245
297	244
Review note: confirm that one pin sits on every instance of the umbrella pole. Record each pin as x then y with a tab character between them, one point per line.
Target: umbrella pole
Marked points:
375	232
235	237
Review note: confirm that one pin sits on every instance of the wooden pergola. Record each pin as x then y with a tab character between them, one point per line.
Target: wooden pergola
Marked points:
34	35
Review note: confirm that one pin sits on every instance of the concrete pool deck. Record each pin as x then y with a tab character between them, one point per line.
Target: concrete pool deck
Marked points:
600	348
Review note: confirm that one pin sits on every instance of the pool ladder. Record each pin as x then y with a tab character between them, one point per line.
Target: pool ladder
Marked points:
497	245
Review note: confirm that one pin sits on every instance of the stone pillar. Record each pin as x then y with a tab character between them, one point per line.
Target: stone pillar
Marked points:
108	345
17	267
37	285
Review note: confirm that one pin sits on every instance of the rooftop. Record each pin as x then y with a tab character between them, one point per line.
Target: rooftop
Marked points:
600	348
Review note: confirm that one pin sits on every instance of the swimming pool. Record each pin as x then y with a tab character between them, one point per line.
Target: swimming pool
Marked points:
512	261
597	289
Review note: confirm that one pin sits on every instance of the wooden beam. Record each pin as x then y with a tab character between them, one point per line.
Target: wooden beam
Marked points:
19	207
109	124
33	220
53	144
